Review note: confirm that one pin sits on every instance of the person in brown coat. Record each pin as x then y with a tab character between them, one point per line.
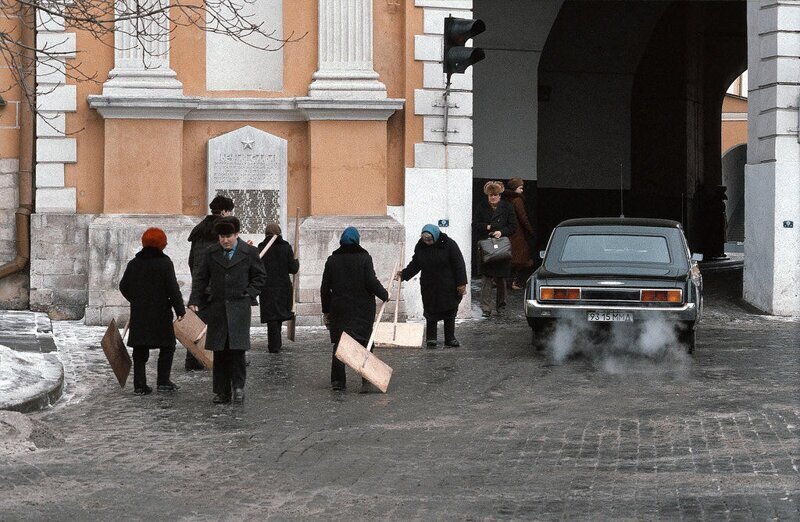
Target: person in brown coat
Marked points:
521	261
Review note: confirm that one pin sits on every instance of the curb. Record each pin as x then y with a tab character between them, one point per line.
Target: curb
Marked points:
42	399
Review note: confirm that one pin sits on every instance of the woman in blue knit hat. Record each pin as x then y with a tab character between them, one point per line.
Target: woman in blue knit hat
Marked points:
348	291
443	281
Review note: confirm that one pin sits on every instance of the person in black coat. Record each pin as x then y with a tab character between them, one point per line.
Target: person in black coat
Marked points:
348	291
150	285
443	281
276	297
495	218
234	274
201	237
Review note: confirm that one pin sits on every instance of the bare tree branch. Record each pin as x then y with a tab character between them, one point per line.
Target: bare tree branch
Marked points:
146	24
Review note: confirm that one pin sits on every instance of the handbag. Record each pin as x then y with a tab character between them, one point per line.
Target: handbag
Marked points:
495	250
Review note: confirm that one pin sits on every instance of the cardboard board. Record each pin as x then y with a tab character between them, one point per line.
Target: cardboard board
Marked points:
364	362
116	353
399	335
191	332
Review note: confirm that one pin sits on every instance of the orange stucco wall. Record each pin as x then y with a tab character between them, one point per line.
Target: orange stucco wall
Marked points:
11	93
109	151
16	118
86	125
143	176
348	167
413	124
195	159
733	132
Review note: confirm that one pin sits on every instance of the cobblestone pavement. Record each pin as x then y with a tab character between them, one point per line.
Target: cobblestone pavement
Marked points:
489	430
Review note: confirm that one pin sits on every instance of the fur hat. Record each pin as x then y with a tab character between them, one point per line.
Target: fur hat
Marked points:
493	188
155	238
515	183
273	229
220	203
227	225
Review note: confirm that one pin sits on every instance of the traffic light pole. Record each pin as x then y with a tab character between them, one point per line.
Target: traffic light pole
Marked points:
446	97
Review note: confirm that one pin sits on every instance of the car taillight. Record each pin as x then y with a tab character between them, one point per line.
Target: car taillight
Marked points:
662	296
550	293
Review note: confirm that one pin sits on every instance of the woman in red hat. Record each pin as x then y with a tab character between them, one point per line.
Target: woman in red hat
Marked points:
149	283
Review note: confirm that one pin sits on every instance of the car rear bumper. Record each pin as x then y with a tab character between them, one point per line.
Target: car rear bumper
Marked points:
537	310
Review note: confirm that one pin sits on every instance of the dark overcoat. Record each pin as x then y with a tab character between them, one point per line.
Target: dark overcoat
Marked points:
520	249
234	286
201	237
275	300
348	291
150	285
443	271
502	218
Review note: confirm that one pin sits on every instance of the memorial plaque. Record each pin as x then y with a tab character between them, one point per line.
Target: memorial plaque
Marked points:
250	166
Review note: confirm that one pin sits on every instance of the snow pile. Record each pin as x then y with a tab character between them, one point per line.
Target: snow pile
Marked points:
24	375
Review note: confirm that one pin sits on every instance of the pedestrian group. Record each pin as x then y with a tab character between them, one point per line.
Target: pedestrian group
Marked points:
229	277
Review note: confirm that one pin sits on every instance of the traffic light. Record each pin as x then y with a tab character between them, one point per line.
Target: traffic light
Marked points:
456	57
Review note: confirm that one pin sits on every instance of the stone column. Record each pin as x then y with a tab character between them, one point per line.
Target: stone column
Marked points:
772	173
141	56
345	52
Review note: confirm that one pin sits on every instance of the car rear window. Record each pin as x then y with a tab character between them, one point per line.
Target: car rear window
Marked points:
615	248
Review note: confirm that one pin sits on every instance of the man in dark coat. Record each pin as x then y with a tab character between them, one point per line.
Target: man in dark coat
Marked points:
276	297
443	281
150	285
201	237
233	272
348	291
495	218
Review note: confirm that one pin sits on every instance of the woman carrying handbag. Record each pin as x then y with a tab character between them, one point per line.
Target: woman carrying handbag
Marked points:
495	221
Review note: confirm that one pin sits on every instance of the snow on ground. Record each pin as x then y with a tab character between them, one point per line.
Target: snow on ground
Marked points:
24	375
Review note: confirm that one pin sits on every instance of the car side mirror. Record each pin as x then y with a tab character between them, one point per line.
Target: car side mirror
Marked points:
541	254
697	257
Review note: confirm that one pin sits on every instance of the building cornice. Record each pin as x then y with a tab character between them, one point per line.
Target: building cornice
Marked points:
243	109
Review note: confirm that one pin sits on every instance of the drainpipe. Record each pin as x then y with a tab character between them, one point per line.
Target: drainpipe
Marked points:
24	189
23	236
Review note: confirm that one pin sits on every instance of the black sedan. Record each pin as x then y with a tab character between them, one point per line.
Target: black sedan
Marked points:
616	270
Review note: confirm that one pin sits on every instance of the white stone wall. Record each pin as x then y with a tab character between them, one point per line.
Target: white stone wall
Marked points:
54	100
439	186
381	236
59	268
113	240
254	68
13	288
772	173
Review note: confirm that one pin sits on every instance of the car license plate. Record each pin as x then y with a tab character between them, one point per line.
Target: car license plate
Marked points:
602	316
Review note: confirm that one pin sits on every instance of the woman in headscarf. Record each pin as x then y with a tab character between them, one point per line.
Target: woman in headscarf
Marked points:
494	218
275	299
443	281
521	261
149	283
348	291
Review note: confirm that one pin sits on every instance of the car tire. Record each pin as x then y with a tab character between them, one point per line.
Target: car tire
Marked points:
688	336
539	331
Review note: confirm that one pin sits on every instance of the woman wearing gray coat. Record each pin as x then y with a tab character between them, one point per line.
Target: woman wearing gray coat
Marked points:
234	273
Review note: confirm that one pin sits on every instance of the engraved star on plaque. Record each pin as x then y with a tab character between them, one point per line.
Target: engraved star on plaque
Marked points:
248	143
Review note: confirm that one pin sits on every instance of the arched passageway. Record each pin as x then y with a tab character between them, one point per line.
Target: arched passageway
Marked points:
627	95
